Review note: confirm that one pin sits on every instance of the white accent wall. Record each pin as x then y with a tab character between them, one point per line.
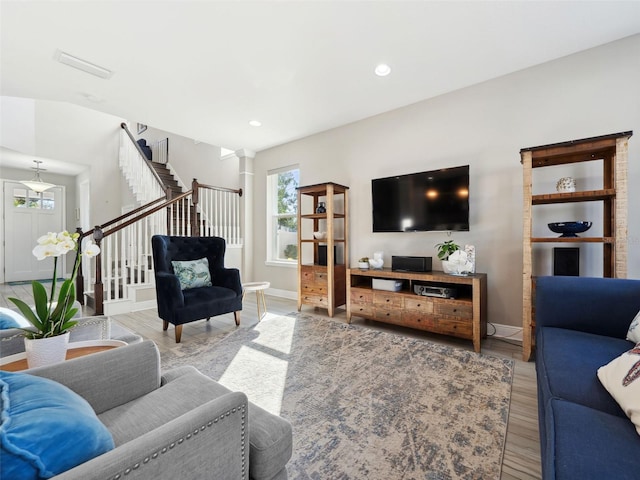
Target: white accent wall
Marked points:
595	92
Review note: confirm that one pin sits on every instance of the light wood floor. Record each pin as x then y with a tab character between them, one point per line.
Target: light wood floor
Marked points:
522	449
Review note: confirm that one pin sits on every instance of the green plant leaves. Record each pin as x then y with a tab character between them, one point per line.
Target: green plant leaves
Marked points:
446	248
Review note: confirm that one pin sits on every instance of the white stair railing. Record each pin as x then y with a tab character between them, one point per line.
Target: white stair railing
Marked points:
127	260
140	177
220	214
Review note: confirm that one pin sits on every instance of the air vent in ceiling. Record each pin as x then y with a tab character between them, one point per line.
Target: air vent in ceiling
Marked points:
83	65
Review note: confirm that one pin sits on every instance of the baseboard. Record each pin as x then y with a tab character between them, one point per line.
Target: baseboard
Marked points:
276	292
118	307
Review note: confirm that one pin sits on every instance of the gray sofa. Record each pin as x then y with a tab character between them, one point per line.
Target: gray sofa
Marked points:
178	424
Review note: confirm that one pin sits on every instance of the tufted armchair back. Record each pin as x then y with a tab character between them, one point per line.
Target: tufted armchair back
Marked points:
168	248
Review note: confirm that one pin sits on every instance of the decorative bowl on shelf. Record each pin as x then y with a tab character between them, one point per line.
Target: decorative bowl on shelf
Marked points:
320	235
569	229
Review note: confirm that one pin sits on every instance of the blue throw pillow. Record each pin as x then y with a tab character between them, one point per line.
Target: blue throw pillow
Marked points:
46	428
11	319
192	273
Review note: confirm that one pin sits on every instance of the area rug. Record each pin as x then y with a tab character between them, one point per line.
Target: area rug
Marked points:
366	404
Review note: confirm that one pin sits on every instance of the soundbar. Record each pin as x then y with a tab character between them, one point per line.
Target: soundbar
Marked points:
410	264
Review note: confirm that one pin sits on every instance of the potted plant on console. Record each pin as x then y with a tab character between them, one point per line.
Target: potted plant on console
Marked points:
47	341
454	260
446	248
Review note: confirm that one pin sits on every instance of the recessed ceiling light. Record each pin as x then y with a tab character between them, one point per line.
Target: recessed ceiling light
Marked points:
83	65
255	123
383	70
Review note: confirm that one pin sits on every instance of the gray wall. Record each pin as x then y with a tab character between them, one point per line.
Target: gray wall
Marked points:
591	93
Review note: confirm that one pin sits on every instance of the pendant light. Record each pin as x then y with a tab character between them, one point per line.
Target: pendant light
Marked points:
36	184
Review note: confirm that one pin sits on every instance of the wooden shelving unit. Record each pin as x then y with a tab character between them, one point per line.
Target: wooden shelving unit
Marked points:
323	285
612	151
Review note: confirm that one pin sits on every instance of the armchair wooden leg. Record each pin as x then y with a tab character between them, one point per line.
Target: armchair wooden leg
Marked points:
236	315
165	325
178	333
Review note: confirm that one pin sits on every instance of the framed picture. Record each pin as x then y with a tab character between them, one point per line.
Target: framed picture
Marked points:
141	128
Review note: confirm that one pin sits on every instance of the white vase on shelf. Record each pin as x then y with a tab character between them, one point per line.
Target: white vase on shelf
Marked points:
460	262
377	261
566	185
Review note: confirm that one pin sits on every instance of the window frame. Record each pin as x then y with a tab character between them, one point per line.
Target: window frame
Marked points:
273	217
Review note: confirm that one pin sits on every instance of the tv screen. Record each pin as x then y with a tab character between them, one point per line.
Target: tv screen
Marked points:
418	202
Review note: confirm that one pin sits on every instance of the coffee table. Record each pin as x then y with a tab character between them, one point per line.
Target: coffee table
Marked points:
18	362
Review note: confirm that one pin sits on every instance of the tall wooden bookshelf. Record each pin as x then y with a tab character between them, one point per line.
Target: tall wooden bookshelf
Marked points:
322	271
612	151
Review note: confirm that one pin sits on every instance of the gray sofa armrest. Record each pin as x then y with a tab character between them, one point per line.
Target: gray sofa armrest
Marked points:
175	373
209	442
111	378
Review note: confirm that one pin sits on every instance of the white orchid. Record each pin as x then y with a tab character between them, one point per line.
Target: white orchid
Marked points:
92	250
47	321
46	250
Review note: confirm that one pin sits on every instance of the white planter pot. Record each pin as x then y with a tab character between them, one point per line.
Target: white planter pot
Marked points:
46	351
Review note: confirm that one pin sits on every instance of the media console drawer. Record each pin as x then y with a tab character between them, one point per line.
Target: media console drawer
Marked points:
463	316
456	309
387	299
422	304
361	295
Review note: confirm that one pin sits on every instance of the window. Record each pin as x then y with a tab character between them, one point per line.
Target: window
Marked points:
282	213
24	198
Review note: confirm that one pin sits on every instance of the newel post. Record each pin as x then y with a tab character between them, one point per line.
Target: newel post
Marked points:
169	196
195	225
79	275
98	289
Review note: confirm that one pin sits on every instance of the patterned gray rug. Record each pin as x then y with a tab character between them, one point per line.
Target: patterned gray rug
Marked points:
366	404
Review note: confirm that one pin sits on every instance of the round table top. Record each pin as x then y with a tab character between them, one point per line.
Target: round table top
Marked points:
256	285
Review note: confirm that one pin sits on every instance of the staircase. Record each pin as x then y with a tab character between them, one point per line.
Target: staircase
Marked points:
123	279
168	180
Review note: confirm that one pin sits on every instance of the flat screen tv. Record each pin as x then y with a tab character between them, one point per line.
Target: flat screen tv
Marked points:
425	201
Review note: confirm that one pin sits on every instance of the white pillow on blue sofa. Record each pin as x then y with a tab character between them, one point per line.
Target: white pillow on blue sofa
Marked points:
621	378
633	335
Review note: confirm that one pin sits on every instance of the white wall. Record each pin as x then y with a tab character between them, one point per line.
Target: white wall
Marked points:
190	160
17	128
79	135
591	93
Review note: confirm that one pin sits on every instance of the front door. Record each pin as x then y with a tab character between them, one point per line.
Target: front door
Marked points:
29	215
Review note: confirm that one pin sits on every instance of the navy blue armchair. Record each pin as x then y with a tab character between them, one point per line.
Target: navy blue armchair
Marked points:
178	306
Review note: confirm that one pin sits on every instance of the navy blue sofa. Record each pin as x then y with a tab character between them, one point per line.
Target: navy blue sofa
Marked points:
581	325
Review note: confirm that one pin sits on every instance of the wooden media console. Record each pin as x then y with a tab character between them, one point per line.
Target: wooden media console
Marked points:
463	316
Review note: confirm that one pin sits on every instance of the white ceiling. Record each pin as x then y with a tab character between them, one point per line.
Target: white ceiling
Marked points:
203	69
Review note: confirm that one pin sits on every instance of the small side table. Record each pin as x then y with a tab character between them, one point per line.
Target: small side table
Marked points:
259	288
